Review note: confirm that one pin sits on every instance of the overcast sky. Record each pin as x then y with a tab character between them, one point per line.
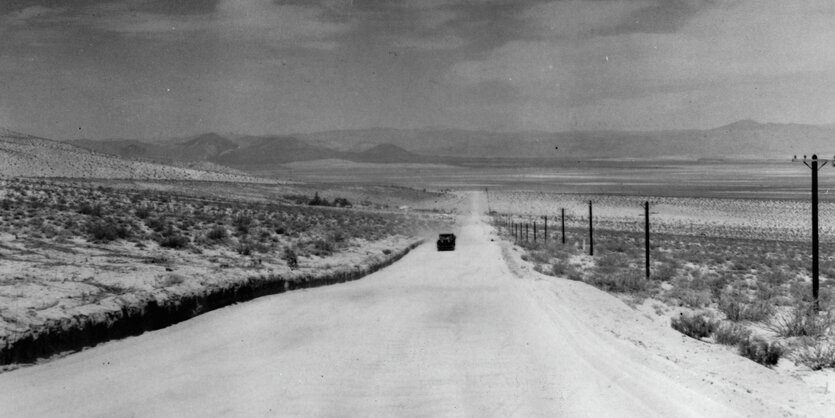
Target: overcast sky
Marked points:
158	68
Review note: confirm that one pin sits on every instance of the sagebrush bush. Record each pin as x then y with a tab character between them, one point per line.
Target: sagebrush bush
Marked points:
664	272
691	293
88	209
322	247
290	258
217	234
107	230
611	262
761	351
737	307
802	321
815	354
173	240
142	212
731	334
694	325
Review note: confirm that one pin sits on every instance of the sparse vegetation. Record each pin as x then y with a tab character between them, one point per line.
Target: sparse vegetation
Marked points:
731	334
134	242
761	351
751	275
696	326
815	354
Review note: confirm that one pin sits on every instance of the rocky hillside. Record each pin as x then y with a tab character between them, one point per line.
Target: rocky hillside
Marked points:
30	156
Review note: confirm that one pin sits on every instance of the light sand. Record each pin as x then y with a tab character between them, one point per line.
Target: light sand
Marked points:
463	333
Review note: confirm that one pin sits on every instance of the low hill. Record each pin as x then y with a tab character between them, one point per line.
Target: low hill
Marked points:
272	150
206	147
30	156
388	153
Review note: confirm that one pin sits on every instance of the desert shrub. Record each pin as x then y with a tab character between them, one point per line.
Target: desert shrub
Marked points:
342	202
559	268
244	249
815	354
173	240
624	281
290	258
88	209
664	272
572	273
142	212
758	310
6	204
540	257
337	236
611	262
736	306
692	293
717	283
242	224
802	321
761	351
217	234
322	247
318	201
693	325
156	224
107	230
731	334
774	279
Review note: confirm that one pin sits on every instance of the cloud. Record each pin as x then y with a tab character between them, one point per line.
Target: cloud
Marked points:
574	18
246	20
430	42
30	13
719	48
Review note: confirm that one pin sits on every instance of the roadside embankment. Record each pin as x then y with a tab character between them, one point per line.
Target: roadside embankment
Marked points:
154	311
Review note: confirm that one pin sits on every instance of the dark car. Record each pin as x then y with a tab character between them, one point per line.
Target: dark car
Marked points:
446	242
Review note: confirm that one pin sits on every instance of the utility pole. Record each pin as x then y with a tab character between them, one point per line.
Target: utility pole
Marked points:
545	218
591	232
562	210
813	164
646	237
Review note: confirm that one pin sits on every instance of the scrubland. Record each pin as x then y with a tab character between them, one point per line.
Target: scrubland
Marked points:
727	271
73	252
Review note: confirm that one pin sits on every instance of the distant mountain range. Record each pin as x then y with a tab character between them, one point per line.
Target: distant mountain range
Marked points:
745	139
246	151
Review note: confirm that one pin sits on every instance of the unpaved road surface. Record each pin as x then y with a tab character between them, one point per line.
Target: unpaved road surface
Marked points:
463	333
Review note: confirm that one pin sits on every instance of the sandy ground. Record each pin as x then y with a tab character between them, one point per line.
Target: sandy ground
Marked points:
465	333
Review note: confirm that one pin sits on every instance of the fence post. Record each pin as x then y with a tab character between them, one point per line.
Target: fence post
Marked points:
527	235
563	225
591	232
534	229
646	236
545	218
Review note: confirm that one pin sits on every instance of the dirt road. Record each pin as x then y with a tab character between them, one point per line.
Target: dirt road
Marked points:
452	334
